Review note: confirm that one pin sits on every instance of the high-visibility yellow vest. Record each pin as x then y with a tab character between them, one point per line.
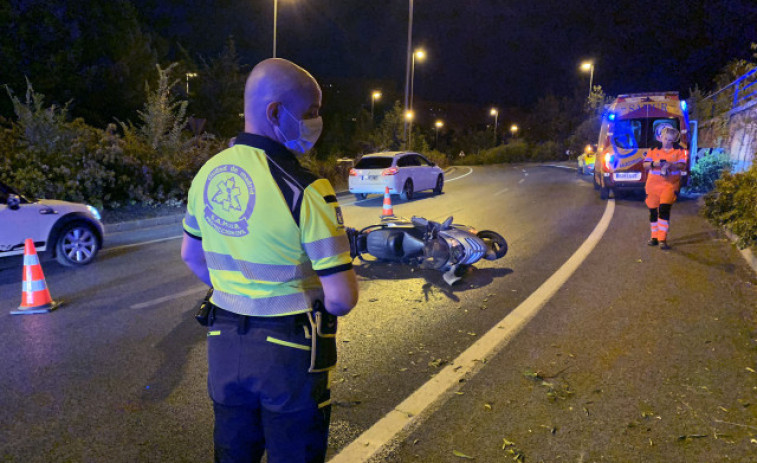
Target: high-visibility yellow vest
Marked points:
268	227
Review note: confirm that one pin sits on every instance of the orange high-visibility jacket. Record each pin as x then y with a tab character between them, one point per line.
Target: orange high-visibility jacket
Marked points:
670	156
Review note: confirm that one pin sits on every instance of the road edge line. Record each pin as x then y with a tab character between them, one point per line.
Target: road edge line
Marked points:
412	411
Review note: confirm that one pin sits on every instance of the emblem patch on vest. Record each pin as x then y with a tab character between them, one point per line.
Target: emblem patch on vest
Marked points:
229	200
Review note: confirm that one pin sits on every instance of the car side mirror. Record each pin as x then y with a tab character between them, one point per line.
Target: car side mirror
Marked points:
14	202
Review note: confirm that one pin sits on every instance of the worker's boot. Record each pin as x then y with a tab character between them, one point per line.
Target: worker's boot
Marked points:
664	245
652	242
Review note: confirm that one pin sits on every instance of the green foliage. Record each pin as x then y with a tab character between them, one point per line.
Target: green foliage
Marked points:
733	205
707	170
515	151
216	92
46	155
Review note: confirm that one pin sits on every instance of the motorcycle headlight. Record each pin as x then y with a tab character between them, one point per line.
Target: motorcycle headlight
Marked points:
93	210
456	249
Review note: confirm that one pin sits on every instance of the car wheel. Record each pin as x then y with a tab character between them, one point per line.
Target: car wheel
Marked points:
77	245
360	196
439	185
407	190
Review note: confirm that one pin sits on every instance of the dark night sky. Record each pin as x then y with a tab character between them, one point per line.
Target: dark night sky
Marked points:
487	51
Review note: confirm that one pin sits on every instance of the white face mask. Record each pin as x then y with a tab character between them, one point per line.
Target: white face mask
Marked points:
309	132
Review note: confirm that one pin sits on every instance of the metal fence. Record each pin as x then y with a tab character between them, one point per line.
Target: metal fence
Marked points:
744	94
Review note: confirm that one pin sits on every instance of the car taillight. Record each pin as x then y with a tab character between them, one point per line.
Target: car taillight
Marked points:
390	171
353	173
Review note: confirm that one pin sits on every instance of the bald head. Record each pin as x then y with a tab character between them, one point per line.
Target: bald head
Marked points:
274	83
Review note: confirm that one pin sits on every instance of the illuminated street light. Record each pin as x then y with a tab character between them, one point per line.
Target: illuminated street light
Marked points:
437	125
409	115
514	130
495	113
190	75
376	95
588	66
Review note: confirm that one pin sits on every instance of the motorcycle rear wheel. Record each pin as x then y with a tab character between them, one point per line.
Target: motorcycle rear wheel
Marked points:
495	242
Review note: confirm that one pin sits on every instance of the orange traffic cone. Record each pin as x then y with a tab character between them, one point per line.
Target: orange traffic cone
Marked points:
35	297
387	212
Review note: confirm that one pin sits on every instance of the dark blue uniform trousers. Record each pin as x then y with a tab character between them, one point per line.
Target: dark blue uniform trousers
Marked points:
264	399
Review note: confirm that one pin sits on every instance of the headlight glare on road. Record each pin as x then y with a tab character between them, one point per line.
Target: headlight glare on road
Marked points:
93	210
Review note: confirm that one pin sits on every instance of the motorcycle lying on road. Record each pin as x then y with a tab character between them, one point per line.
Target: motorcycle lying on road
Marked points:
447	247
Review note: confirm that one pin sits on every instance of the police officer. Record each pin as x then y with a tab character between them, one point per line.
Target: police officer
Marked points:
268	236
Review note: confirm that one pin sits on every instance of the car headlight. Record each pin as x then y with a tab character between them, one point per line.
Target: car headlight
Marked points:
93	210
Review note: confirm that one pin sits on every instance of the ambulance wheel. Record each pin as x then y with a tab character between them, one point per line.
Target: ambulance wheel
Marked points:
77	245
604	192
596	185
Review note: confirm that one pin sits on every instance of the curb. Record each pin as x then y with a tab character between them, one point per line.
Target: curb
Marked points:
747	253
142	223
174	218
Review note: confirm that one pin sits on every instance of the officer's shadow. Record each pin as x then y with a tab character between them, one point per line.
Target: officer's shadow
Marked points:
473	278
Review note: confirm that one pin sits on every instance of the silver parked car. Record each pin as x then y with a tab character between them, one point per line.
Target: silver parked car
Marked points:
71	232
404	172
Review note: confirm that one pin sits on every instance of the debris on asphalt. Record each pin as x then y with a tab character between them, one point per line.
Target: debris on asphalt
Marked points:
459	454
510	448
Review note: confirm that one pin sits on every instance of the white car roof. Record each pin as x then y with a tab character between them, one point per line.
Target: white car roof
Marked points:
387	154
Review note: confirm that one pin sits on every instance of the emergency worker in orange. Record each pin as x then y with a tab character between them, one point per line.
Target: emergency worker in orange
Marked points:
664	166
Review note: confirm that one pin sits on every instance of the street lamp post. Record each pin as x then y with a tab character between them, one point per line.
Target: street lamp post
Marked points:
192	75
275	21
407	68
437	125
420	54
514	130
376	95
409	115
495	113
589	66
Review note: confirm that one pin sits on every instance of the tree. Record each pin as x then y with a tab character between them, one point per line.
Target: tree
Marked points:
216	93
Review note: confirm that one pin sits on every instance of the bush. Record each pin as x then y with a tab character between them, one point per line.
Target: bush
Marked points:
707	170
733	205
514	151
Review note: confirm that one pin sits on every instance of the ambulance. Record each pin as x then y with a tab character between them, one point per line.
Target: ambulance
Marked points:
630	126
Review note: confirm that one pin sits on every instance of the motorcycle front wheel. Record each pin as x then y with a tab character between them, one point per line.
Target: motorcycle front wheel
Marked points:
495	242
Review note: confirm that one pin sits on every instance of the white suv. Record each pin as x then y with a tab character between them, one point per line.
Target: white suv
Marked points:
403	172
70	232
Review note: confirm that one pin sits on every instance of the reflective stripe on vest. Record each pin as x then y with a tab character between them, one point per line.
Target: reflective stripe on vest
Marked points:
266	306
327	247
261	272
657	172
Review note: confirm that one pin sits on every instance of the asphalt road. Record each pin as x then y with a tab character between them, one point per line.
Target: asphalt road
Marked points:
118	372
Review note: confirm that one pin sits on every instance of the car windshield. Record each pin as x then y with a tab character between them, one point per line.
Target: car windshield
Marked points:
374	163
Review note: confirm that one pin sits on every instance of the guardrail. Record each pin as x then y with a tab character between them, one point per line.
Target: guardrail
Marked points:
744	93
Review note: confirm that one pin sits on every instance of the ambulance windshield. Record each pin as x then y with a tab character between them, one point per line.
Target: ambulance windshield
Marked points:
639	133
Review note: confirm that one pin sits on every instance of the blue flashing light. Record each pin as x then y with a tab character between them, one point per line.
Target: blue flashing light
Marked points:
611	116
683	105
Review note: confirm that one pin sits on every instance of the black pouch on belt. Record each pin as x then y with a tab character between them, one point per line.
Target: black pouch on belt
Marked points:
322	339
204	312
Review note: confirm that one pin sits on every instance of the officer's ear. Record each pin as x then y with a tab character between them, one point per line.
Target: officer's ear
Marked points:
272	112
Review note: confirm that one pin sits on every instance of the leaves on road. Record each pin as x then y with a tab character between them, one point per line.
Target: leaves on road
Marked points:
515	452
459	454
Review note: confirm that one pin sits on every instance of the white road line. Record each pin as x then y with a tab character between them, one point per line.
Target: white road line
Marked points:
470	171
418	406
560	167
160	300
501	191
126	246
